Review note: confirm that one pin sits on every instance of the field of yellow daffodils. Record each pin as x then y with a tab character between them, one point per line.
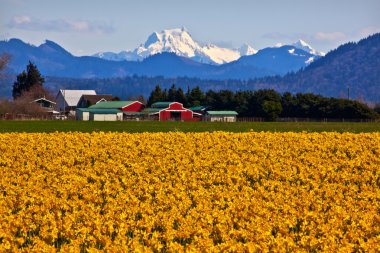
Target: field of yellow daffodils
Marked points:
199	192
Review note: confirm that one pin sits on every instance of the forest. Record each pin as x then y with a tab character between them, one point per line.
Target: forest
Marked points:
267	103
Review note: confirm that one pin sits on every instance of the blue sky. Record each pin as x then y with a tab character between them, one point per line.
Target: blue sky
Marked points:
85	27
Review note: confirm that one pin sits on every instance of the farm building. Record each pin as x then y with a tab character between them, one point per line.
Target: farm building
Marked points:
47	105
122	110
88	100
172	111
87	114
221	116
125	106
67	100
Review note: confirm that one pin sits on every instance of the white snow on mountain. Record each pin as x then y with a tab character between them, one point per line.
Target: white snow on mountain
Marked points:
180	42
310	60
278	45
300	44
177	41
246	50
220	55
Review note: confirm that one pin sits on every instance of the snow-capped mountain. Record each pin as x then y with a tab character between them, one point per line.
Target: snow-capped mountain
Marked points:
180	42
300	44
246	50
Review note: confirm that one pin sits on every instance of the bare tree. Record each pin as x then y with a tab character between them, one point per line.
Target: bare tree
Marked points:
4	60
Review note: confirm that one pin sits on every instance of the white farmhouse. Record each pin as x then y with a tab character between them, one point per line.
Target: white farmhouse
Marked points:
67	100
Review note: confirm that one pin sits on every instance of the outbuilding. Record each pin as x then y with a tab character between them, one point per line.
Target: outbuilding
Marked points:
87	114
124	106
221	116
172	111
110	110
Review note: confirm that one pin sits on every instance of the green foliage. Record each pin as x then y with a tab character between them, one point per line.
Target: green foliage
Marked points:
156	126
265	104
157	95
271	109
377	108
26	80
196	97
268	104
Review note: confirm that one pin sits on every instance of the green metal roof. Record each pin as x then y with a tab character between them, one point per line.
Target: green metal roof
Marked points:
111	104
197	108
99	111
161	104
222	113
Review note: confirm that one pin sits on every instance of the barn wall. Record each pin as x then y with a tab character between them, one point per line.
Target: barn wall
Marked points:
164	115
186	115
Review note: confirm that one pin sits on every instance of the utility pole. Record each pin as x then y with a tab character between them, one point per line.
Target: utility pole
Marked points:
348	92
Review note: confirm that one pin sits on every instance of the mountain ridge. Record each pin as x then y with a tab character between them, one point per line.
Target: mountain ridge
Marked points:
180	41
351	70
54	60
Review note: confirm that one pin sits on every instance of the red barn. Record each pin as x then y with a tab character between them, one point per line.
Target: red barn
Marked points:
131	109
173	111
125	106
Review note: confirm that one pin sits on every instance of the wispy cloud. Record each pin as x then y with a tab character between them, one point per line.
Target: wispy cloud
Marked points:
59	25
330	36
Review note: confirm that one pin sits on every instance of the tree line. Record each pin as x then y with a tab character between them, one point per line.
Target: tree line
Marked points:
267	103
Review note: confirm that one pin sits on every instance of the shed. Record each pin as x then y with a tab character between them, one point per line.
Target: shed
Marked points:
172	111
221	116
87	114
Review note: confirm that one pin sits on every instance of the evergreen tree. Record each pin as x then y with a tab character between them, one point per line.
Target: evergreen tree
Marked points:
196	97
172	94
156	95
26	80
165	96
266	103
181	97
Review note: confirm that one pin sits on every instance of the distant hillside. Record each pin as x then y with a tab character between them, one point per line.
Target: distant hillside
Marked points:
352	68
53	60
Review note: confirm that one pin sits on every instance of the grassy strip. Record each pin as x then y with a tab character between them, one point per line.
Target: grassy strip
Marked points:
155	126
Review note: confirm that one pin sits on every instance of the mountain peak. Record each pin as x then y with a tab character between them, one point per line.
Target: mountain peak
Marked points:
246	49
51	46
301	44
180	42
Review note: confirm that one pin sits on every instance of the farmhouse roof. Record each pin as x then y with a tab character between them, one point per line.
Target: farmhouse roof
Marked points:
99	111
72	96
43	99
198	108
224	113
93	99
111	104
161	104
